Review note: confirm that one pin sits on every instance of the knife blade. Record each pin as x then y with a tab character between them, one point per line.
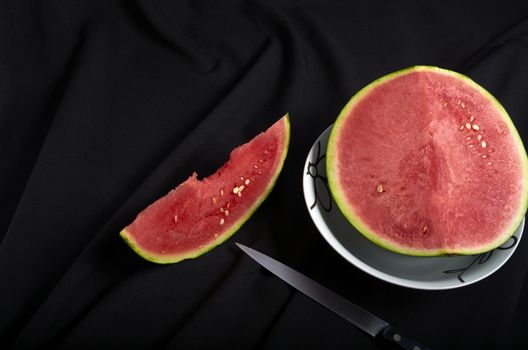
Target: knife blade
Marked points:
352	313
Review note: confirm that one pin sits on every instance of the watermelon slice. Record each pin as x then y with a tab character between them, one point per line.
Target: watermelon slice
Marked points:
198	214
426	162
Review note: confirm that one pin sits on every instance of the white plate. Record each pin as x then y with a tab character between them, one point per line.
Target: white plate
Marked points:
414	272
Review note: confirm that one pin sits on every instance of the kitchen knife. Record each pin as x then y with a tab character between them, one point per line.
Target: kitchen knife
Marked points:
354	314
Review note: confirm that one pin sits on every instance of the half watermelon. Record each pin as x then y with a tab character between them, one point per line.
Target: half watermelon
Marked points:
424	161
198	215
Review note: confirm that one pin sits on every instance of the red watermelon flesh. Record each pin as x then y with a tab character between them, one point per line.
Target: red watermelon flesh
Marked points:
198	214
426	162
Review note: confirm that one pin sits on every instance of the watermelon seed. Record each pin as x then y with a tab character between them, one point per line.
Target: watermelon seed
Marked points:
260	172
221	210
483	144
445	104
379	188
462	105
241	178
489	163
255	166
241	188
228	204
222	221
484	156
425	229
246	182
261	161
175	218
475	127
468	125
461	127
235	190
221	192
471	118
471	146
226	213
214	200
240	194
479	137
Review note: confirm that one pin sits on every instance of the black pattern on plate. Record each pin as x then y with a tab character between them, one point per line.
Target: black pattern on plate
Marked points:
314	172
482	258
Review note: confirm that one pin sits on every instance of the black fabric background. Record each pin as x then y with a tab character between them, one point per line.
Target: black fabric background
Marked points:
105	106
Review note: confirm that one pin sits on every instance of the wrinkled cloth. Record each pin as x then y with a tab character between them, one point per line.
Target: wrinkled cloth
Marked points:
105	106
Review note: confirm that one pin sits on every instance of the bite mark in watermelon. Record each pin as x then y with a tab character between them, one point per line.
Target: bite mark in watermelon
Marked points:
425	161
198	215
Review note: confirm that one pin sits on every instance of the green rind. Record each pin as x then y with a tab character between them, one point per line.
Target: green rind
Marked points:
354	219
170	259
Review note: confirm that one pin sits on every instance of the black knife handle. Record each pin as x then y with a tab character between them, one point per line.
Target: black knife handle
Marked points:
393	334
